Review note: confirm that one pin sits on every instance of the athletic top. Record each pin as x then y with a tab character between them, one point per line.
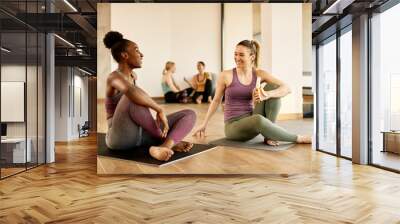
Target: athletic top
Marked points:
165	87
111	102
238	97
201	84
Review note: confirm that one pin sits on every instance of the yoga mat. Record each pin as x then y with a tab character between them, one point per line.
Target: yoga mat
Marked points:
255	143
141	155
304	126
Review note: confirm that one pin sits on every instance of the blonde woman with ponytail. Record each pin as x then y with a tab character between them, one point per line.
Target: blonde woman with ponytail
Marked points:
249	109
172	93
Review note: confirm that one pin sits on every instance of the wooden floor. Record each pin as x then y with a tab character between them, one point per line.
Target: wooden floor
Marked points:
387	159
10	171
228	160
70	191
222	160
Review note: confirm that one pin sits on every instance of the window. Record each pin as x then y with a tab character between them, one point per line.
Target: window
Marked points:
385	89
346	93
327	95
22	66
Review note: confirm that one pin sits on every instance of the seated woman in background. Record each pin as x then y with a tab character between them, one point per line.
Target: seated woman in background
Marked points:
172	92
130	123
201	83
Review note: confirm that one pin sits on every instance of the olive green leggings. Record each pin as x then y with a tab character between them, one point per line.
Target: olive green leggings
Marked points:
261	121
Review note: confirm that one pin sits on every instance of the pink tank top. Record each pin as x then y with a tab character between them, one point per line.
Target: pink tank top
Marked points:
111	102
238	97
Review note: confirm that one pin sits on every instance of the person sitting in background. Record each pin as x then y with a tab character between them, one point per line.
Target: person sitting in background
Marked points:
172	92
201	84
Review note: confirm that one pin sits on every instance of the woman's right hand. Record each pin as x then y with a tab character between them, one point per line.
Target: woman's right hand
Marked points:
162	120
200	131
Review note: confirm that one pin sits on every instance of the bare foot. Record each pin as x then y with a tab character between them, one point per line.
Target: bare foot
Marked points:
183	147
185	100
199	99
209	99
270	142
304	139
161	153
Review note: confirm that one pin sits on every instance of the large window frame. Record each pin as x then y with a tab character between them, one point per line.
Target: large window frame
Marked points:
334	37
36	38
381	9
368	85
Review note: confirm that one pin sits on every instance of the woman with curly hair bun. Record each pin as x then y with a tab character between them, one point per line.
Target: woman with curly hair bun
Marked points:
130	123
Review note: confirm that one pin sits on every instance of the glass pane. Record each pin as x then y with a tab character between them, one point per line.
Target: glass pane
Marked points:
22	79
31	98
14	154
41	98
327	96
385	86
346	94
13	85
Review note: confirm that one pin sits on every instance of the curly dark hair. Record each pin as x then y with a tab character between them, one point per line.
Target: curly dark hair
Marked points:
115	41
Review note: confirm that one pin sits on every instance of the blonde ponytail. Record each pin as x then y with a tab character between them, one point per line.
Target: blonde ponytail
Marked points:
168	66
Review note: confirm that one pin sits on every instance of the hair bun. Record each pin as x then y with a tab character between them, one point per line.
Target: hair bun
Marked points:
112	38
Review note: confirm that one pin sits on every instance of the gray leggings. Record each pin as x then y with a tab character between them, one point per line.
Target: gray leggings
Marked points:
133	125
261	121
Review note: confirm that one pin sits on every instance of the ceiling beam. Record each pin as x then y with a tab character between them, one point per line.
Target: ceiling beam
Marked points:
77	61
83	23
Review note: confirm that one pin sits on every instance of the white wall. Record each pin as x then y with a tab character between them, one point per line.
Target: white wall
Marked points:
186	33
16	72
238	26
307	36
61	103
282	49
307	44
80	103
104	61
183	33
33	127
67	114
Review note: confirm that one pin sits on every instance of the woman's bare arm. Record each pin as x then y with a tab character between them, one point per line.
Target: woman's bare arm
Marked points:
191	82
219	93
281	91
133	92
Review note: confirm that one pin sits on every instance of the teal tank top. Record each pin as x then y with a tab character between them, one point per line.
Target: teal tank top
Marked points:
165	87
